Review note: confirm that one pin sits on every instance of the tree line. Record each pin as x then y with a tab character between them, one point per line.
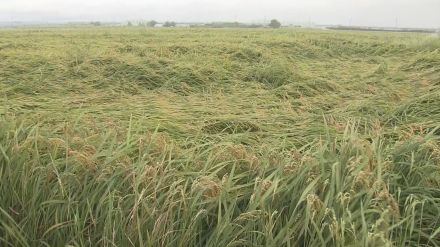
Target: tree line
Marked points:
152	23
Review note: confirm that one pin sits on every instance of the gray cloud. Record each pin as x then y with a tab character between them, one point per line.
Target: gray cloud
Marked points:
409	13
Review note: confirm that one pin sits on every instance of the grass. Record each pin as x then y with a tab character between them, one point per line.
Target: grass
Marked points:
226	137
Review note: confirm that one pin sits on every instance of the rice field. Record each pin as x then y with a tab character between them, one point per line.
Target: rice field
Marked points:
218	137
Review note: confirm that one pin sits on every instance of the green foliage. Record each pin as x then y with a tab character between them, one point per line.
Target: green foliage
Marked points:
275	24
95	23
151	23
169	24
231	25
225	137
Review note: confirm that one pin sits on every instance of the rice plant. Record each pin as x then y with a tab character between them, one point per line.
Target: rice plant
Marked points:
225	137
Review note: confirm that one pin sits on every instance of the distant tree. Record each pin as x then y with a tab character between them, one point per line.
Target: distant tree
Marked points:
95	23
129	24
169	24
151	23
231	25
275	24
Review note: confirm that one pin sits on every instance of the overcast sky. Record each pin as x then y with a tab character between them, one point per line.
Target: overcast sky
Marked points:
406	13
